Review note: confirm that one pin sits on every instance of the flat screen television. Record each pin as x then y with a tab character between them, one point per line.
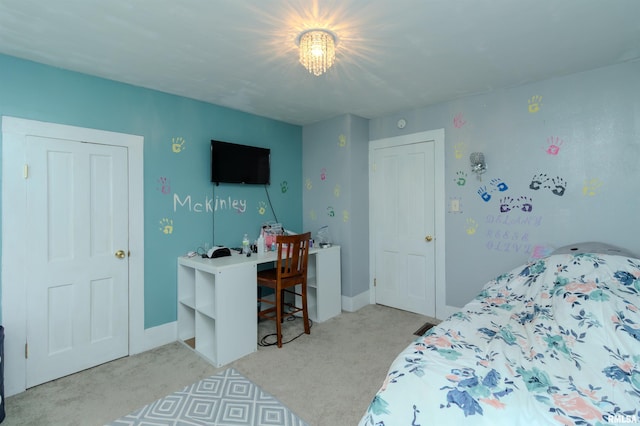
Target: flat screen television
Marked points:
235	163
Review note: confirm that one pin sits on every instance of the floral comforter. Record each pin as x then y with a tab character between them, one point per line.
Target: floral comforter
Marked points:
555	341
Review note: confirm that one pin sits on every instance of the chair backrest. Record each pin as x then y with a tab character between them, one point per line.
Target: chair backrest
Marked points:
293	255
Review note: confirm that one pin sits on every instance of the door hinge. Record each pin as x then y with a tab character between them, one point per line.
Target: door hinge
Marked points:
374	282
26	350
25	171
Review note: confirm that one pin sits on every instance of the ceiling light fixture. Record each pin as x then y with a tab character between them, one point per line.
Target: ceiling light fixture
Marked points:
317	50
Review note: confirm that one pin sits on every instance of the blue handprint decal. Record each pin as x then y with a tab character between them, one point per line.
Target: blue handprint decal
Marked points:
482	192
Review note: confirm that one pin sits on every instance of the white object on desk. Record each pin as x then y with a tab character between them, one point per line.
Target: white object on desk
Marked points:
260	244
217	300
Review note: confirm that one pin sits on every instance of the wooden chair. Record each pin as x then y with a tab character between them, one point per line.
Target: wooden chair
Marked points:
290	271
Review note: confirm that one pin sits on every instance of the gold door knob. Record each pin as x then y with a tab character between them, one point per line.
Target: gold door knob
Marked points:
120	254
428	238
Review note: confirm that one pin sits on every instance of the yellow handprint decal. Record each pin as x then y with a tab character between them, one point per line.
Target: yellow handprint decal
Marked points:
342	141
591	187
459	150
166	226
535	103
336	190
313	215
472	226
308	184
177	144
345	216
262	208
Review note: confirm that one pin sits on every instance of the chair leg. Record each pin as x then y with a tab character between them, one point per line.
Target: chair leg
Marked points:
305	312
259	302
278	295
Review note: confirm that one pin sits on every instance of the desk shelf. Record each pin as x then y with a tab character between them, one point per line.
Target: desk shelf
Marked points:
324	290
216	308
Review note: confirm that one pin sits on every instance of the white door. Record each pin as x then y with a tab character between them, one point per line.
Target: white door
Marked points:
77	269
403	213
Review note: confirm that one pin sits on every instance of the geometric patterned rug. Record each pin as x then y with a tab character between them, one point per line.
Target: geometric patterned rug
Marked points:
225	399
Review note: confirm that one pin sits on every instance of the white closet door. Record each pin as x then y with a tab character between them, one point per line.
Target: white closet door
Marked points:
77	271
404	227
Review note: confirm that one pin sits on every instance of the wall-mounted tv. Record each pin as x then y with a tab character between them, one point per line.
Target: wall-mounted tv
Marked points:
234	163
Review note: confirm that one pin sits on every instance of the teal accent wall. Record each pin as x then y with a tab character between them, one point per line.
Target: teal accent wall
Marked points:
183	210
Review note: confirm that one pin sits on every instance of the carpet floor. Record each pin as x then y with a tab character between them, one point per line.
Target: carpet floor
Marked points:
327	378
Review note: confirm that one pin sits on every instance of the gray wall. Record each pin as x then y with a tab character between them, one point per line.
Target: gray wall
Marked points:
578	135
336	192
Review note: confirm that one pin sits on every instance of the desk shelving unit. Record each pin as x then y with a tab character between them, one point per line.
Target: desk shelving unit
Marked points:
217	309
217	300
324	289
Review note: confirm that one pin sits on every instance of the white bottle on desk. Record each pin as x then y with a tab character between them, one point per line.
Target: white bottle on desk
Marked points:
260	245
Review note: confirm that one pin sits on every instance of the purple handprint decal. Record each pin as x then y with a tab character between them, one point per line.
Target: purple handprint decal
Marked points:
525	204
165	185
506	204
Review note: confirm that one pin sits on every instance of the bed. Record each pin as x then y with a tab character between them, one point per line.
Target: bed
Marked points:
555	341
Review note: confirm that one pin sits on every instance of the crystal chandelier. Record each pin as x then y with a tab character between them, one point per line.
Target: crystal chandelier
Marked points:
317	50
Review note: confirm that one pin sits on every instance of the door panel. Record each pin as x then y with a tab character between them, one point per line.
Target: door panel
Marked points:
404	215
77	289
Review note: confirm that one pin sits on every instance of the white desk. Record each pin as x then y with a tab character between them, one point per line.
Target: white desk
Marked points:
217	300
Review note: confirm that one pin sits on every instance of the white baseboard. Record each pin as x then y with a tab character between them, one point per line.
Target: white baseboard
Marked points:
157	336
447	312
352	304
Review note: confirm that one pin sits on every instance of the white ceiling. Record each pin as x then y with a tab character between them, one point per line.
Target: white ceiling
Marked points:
392	55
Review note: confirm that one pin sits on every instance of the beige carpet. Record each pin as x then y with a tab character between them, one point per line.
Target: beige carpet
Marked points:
327	378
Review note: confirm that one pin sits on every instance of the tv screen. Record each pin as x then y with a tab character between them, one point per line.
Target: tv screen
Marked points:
234	163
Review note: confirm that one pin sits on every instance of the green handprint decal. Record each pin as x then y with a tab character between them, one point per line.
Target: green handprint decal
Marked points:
461	178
